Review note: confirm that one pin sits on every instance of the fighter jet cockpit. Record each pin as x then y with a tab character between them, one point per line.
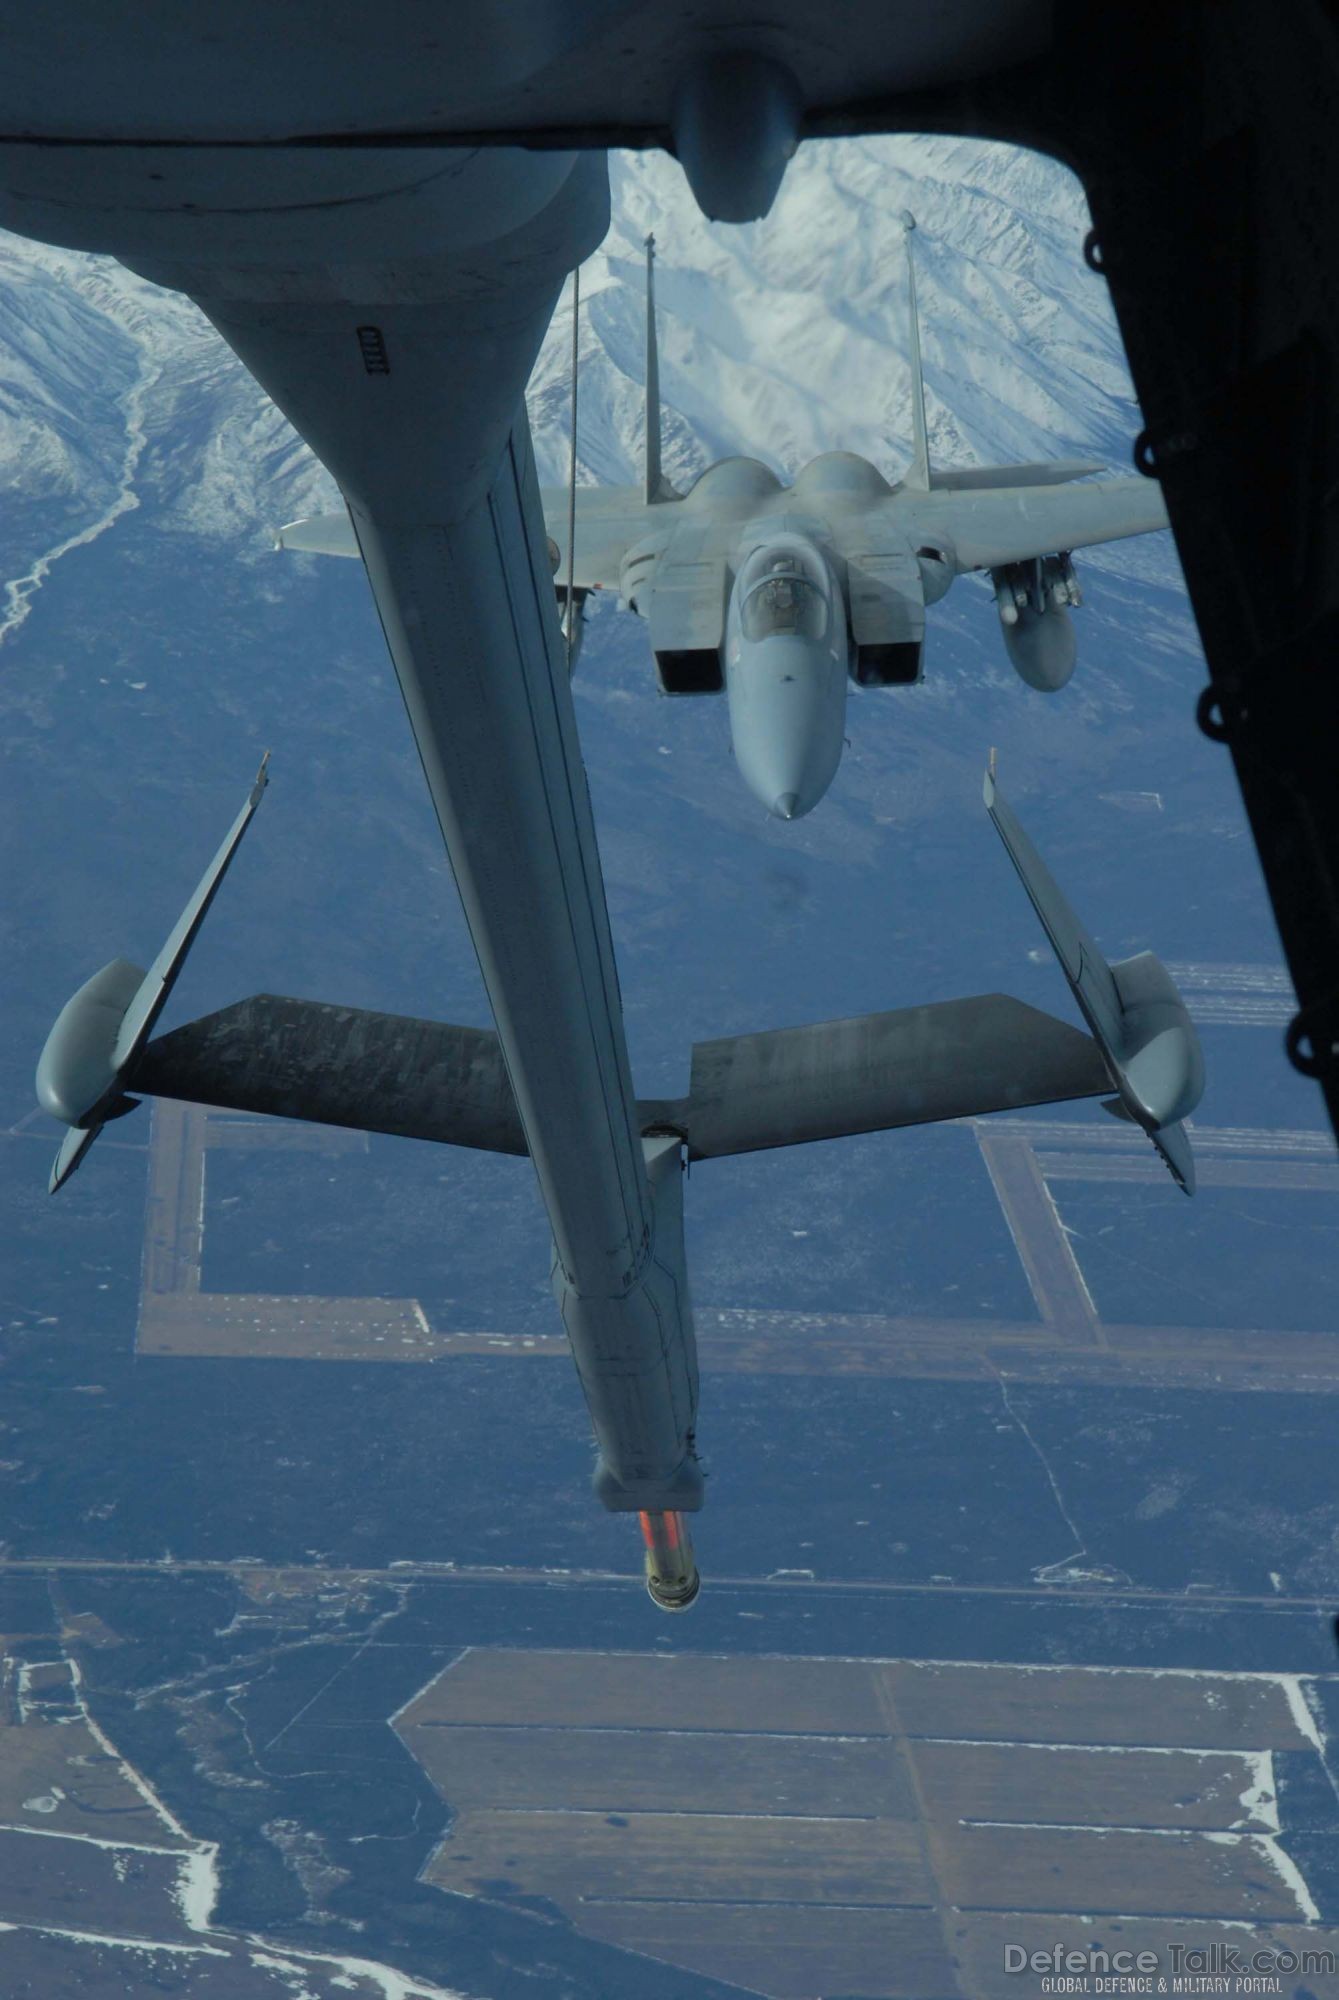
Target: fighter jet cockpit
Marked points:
784	600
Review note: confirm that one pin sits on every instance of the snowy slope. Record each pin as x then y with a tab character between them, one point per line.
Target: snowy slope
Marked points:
112	392
782	339
787	337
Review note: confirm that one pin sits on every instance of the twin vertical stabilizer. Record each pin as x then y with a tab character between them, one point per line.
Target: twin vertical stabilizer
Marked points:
917	474
657	486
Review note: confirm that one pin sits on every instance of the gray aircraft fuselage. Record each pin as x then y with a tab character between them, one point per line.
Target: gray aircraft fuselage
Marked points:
785	660
780	595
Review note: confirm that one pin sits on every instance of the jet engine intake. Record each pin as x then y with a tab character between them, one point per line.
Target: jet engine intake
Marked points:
896	663
1033	600
685	611
690	670
885	598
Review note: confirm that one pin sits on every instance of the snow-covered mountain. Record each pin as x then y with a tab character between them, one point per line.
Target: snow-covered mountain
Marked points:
780	339
786	337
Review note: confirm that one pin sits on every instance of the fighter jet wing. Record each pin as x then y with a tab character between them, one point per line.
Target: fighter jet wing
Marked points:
610	520
988	530
320	535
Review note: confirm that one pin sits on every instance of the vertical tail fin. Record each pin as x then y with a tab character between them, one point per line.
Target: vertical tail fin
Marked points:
917	474
657	486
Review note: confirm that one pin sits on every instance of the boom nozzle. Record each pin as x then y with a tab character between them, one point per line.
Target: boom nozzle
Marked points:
671	1568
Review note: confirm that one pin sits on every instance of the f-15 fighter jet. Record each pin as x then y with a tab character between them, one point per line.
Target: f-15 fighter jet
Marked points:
780	596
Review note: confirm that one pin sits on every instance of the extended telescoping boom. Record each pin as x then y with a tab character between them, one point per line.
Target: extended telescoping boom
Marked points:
428	1080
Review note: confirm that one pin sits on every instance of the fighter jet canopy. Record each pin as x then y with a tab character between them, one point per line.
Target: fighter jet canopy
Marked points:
784	601
783	589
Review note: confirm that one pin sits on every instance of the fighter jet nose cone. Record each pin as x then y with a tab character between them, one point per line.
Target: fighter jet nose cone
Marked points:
787	806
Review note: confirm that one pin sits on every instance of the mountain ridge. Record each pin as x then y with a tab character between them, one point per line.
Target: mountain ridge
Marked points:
779	340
